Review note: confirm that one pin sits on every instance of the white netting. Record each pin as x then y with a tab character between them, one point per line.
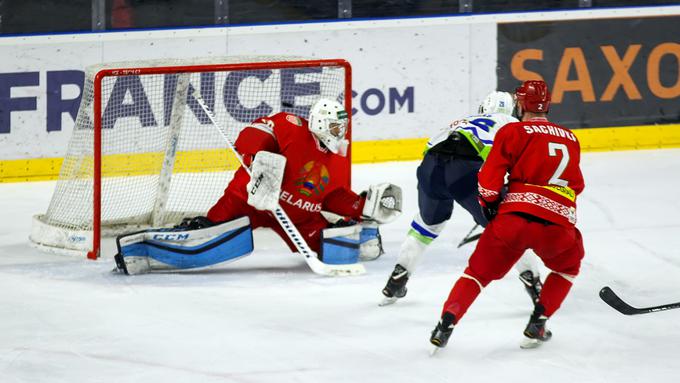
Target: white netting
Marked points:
162	160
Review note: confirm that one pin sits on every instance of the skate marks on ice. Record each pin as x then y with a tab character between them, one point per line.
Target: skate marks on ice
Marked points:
183	372
309	328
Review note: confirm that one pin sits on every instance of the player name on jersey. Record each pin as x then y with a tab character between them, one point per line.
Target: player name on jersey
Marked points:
552	130
299	202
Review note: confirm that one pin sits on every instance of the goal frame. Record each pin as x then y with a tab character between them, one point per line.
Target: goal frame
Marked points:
94	253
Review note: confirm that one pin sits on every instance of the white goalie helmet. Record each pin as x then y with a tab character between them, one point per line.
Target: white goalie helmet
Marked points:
328	121
497	102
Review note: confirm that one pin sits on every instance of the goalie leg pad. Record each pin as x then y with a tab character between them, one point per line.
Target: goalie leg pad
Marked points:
370	242
340	245
179	249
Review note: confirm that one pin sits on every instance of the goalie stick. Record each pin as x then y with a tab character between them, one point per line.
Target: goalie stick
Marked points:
282	218
609	297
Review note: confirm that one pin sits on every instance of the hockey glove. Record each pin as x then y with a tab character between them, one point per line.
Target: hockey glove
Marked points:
383	203
489	209
265	180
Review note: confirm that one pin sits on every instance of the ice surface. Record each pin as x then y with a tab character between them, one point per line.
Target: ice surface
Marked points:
267	318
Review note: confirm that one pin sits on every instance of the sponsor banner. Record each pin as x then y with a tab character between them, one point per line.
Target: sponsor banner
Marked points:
395	96
410	76
602	72
407	149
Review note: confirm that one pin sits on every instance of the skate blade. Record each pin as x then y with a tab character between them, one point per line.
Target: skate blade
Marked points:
529	343
387	301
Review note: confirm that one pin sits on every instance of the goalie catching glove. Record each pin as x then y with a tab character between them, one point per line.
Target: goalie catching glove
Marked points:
266	175
383	203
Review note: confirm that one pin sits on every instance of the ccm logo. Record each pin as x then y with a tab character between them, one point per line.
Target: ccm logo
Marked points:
171	237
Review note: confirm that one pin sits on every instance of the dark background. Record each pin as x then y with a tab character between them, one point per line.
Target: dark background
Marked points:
43	16
589	36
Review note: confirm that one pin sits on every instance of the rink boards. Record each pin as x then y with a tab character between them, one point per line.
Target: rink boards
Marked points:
410	76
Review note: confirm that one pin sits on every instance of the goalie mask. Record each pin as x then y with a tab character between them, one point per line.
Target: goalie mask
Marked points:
497	102
328	121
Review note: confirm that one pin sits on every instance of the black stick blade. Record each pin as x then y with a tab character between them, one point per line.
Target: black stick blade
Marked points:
613	300
609	297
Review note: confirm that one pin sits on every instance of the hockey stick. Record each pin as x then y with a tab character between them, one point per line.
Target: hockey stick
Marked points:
282	218
469	238
613	300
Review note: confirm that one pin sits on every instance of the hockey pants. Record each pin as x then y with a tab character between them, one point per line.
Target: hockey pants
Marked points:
231	206
443	179
503	242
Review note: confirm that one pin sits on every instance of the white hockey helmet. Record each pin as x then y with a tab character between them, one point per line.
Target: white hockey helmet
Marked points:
497	102
328	121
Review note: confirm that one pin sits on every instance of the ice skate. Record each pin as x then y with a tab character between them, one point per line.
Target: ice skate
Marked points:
532	284
442	332
535	333
396	286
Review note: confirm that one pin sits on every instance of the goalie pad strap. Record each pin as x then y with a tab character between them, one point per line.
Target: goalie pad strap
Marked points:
342	243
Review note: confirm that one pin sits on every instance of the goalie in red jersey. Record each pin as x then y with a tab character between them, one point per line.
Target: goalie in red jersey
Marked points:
309	170
299	165
541	160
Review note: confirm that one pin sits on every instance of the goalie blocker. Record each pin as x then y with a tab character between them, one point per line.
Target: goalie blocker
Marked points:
193	245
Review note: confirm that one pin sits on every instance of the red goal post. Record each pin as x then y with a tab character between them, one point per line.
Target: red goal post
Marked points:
143	155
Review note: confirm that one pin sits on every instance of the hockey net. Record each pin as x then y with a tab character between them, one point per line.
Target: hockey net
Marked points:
143	153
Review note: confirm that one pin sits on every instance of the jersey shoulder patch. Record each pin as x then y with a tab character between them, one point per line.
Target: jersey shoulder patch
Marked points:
293	119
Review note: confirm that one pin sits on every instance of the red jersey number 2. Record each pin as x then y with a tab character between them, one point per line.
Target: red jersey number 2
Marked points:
554	150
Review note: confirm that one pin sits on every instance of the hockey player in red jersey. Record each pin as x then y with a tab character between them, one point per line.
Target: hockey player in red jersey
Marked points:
314	175
296	164
541	160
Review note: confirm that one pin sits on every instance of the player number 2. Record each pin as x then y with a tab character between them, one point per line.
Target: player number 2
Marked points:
553	148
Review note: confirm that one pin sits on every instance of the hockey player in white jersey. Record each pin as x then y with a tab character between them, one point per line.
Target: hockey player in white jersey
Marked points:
448	173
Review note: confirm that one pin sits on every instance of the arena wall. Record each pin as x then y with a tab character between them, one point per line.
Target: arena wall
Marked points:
615	73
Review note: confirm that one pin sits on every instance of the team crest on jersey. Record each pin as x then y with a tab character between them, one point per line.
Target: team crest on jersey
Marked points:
295	120
314	178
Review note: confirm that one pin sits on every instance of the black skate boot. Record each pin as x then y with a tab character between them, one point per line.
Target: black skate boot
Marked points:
535	333
532	284
442	332
396	285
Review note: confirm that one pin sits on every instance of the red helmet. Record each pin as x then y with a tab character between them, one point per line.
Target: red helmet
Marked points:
533	96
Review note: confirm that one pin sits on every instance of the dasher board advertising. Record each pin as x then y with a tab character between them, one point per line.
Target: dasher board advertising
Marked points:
602	72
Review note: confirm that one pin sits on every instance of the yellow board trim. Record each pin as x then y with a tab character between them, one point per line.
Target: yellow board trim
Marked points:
196	161
409	149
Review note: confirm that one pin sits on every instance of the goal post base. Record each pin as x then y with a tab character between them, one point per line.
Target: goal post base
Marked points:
57	240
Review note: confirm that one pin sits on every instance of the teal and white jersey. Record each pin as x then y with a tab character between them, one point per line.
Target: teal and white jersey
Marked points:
479	129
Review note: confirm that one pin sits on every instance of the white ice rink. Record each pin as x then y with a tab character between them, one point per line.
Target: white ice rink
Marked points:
267	318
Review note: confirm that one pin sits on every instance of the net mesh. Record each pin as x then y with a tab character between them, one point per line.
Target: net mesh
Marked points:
162	159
